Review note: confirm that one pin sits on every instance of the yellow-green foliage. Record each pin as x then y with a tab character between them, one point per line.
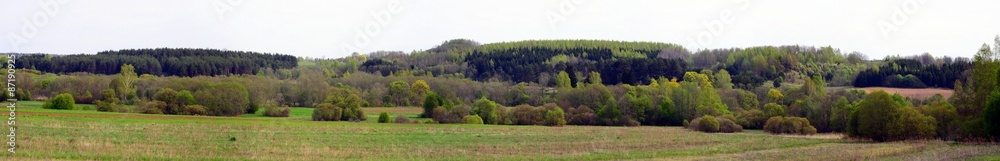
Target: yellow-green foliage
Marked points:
472	119
60	102
789	125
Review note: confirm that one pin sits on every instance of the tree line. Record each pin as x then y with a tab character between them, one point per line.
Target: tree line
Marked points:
161	62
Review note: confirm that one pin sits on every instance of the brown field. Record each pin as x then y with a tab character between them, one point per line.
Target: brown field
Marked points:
913	93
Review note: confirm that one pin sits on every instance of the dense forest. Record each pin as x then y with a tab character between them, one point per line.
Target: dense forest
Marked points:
550	82
161	62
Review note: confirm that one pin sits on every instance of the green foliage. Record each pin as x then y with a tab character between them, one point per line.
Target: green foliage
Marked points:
169	98
563	80
789	125
840	114
595	78
723	80
63	101
774	109
348	101
486	109
946	116
472	119
880	118
555	117
110	102
184	98
383	117
153	107
327	112
431	101
774	96
705	123
224	99
194	110
991	115
401	119
272	110
670	112
752	119
161	61
726	125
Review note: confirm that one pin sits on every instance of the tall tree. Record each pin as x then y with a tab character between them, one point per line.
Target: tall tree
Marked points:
126	82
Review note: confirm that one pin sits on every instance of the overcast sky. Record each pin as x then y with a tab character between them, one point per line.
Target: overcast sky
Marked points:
334	28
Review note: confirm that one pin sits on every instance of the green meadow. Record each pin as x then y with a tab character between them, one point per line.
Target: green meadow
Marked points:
44	134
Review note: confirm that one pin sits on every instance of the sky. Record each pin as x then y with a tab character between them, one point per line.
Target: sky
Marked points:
337	28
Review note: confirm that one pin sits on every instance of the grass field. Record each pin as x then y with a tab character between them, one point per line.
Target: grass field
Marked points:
89	135
913	93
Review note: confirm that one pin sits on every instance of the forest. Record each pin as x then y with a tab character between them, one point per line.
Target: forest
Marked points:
780	89
160	62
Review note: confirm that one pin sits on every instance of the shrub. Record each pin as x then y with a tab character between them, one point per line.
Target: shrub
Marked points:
348	102
789	125
402	119
705	123
472	119
109	107
442	115
774	109
326	112
728	126
431	101
194	110
184	98
153	107
527	115
60	102
110	102
458	112
224	99
383	117
169	98
555	117
880	118
486	109
751	119
271	111
581	115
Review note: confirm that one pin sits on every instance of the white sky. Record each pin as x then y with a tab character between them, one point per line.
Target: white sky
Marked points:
321	28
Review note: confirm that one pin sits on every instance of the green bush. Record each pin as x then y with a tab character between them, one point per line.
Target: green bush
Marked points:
880	118
224	99
271	111
327	112
486	109
555	117
751	119
472	119
347	102
153	107
383	117
401	119
789	125
194	110
431	101
705	123
728	126
61	102
169	98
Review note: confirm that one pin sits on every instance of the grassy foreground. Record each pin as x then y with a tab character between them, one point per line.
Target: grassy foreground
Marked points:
89	135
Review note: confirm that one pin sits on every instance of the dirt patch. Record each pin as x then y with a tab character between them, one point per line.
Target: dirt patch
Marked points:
913	93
